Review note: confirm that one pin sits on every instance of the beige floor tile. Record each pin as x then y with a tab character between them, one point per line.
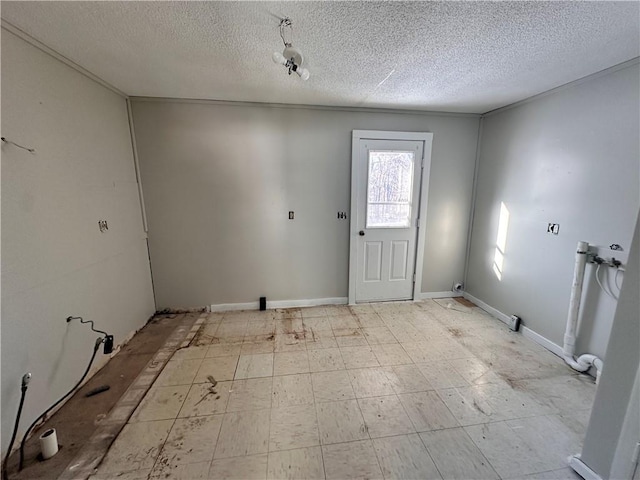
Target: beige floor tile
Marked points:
359	357
289	325
332	386
391	354
295	464
190	353
406	379
206	335
467	406
178	372
160	403
253	467
449	349
405	456
385	416
363	308
243	433
202	401
223	350
292	390
293	426
320	339
509	403
451	304
349	337
340	422
281	313
258	315
564	393
317	323
313	312
366	320
250	394
343	321
265	326
562	474
370	382
351	460
407	333
252	366
421	352
175	471
325	359
427	411
333	310
191	440
549	437
131	475
508	455
220	368
231	330
475	371
456	456
378	335
287	363
136	447
290	342
256	345
441	375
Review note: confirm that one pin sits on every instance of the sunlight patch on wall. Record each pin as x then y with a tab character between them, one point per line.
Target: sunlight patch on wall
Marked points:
501	241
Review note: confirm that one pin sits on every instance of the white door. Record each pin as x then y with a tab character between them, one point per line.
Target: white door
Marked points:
387	180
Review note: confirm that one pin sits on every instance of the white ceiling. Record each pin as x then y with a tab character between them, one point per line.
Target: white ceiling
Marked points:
439	56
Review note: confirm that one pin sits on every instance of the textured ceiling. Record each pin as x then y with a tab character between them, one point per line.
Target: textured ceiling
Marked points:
440	56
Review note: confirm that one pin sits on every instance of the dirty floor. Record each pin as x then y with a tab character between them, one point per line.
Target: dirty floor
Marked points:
427	390
80	416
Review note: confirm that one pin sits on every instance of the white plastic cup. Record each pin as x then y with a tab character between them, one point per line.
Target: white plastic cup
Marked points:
49	443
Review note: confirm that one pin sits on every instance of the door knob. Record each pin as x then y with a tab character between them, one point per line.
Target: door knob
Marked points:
361	233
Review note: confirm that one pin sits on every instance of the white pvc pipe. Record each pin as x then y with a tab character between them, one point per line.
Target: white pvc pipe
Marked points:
49	443
584	362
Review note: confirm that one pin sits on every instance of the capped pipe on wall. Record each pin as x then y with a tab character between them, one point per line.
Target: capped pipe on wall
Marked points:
585	361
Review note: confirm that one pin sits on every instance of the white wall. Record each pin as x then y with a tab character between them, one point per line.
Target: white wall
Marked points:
220	179
55	262
570	157
610	441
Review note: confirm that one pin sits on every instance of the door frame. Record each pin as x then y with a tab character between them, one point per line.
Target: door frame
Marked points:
427	141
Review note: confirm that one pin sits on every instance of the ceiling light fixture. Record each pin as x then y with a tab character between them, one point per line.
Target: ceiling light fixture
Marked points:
291	57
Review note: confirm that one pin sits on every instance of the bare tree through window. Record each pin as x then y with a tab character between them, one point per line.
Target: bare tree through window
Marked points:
389	189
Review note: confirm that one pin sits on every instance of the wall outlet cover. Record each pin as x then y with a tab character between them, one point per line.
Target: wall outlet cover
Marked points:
514	322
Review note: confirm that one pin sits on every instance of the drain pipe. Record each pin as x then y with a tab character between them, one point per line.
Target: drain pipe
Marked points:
584	362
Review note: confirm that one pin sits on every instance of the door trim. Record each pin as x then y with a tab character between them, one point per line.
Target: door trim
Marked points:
427	140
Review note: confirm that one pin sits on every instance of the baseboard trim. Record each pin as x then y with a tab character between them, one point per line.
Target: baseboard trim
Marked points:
545	342
313	302
494	312
526	332
429	295
582	469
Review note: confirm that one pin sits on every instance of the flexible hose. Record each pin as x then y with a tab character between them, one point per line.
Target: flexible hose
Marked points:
609	294
25	383
26	435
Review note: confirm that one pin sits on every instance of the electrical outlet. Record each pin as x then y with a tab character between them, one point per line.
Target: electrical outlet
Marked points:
553	228
291	215
342	215
103	226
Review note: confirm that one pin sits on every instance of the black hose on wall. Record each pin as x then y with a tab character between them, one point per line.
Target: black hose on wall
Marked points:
44	414
25	383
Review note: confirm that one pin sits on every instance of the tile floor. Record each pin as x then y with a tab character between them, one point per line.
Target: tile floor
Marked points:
424	390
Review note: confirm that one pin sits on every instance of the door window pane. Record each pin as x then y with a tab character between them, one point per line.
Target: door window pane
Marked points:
389	189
